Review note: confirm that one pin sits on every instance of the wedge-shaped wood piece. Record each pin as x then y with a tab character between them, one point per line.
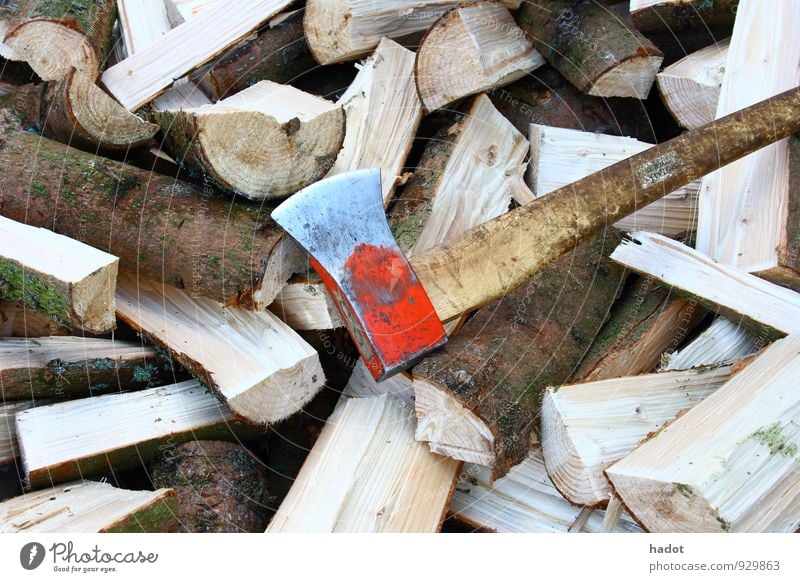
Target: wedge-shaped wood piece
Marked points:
366	473
492	52
645	323
738	295
723	341
74	367
56	36
592	47
383	113
478	399
158	223
690	87
78	112
587	427
674	15
8	430
524	501
305	304
267	141
66	280
561	156
729	464
748	209
257	364
89	507
146	74
90	436
362	384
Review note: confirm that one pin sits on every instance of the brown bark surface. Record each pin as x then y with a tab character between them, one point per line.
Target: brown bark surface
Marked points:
674	17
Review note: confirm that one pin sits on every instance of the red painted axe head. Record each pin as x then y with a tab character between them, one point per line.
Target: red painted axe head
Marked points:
340	222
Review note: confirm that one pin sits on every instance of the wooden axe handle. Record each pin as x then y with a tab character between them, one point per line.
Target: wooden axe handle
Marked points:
488	261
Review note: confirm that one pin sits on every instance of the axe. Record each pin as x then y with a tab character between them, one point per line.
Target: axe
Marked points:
393	307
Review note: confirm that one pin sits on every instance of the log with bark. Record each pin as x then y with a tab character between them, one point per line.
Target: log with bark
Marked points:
592	47
64	279
151	221
366	473
729	464
749	209
75	367
18	321
267	141
561	156
89	507
690	88
253	361
92	436
587	427
492	52
220	487
478	399
675	15
53	37
767	309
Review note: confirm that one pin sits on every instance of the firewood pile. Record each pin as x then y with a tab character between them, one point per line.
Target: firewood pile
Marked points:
622	318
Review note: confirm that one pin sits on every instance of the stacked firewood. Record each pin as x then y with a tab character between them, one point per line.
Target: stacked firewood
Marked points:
161	331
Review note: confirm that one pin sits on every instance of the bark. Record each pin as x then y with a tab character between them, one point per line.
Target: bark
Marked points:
675	16
220	486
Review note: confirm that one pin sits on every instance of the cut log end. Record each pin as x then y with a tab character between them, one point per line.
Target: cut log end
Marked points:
52	49
327	31
631	78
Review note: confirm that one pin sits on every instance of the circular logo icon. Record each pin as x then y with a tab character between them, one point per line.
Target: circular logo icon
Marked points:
31	555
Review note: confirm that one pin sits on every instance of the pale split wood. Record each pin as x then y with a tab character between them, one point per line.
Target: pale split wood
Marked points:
763	305
8	430
258	365
59	276
362	384
366	473
587	427
524	501
52	49
730	464
561	156
723	341
67	440
743	207
144	75
690	87
305	304
492	51
382	111
89	507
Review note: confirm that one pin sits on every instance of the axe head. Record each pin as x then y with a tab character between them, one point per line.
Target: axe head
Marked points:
340	222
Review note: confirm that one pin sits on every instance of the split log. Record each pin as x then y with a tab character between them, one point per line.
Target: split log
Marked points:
304	304
690	88
17	321
76	367
674	16
764	307
220	487
143	76
188	9
592	47
278	53
253	361
748	210
730	463
383	112
723	341
647	322
478	399
53	37
91	436
9	451
366	473
62	278
89	507
362	384
466	176
148	220
492	52
267	141
587	427
562	156
524	501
